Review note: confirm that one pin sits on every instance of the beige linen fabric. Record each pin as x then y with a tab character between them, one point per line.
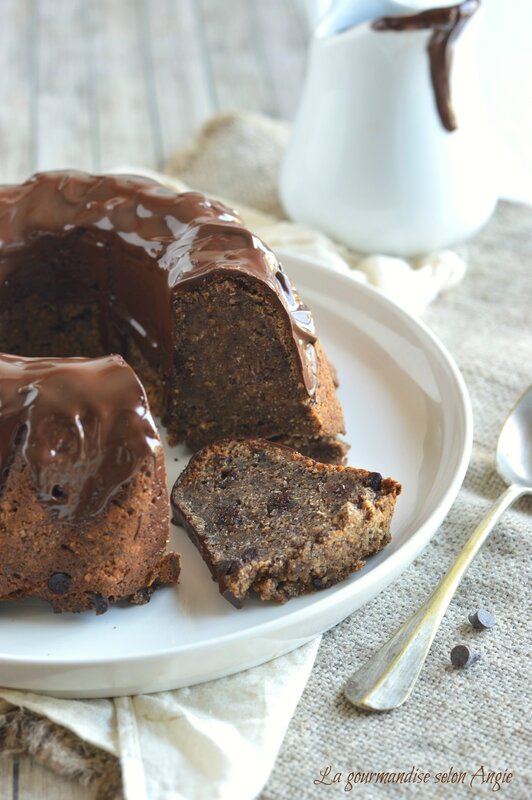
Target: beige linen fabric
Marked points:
212	161
455	719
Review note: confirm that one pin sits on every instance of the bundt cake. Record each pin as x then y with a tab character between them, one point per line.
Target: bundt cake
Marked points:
269	520
195	303
204	313
83	506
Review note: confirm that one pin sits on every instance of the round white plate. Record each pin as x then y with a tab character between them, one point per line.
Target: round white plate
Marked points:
408	415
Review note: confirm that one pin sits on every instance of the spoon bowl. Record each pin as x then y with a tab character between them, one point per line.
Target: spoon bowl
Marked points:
514	448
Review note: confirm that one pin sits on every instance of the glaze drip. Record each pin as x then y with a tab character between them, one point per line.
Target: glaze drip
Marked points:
83	425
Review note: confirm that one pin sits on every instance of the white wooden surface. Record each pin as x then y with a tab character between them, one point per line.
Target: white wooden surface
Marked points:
93	83
90	83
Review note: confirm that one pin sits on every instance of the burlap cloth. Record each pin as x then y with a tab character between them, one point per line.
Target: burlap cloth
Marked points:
455	719
463	721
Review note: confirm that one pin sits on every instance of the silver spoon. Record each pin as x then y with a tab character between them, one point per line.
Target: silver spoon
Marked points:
387	679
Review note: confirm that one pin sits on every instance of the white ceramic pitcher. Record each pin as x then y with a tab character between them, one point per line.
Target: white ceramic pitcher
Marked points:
382	157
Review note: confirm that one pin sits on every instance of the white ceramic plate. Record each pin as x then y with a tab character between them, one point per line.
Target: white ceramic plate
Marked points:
408	415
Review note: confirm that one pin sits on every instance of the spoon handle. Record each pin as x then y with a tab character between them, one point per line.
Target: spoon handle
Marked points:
386	680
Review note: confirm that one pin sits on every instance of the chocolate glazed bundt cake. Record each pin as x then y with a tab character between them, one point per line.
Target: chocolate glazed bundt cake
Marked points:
195	303
204	313
84	503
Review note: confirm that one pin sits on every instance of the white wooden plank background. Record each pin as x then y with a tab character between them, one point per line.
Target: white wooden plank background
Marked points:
93	83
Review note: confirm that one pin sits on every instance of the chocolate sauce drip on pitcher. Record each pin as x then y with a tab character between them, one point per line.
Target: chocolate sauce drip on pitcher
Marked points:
446	25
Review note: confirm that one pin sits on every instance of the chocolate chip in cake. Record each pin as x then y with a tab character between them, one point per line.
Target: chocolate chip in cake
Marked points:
375	481
227	476
228	516
59	582
228	567
321	583
141	596
250	554
481	619
278	501
462	656
99	603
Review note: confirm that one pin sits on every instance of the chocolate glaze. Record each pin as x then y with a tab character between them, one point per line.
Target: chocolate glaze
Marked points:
83	425
446	25
129	244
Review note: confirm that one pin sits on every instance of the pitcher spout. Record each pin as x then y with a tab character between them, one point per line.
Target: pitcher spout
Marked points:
343	15
446	24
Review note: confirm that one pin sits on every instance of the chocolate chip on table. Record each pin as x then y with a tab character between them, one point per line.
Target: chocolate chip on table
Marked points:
59	582
481	619
462	656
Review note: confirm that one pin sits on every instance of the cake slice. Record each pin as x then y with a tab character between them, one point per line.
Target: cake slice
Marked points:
269	520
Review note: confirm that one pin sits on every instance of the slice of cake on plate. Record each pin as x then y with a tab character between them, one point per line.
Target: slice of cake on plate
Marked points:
269	520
